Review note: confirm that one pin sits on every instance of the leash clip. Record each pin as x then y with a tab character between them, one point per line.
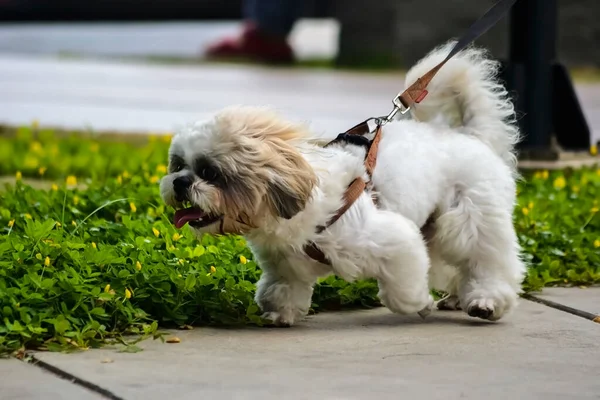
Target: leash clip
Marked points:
398	108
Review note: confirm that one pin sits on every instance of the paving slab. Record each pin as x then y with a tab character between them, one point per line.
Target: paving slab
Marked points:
536	353
22	381
587	299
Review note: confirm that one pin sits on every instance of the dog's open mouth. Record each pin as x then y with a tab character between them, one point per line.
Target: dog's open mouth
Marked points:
195	217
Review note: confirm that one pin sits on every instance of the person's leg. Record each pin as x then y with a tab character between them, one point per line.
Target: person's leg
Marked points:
274	17
264	37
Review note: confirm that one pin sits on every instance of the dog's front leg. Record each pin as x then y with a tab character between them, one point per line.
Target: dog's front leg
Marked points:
284	290
402	270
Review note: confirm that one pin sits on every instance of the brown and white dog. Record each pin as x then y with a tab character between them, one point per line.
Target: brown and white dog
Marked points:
249	171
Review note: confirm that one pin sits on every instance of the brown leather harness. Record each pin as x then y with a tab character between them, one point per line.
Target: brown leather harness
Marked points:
403	102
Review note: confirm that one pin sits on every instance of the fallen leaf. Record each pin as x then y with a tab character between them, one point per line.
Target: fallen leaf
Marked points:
106	361
173	339
186	327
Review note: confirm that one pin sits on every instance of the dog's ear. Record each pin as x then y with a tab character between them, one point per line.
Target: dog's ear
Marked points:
283	200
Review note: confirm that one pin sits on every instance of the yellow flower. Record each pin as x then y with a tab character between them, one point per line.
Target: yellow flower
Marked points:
545	174
107	288
18	176
243	260
176	236
73	223
54	187
127	293
525	211
598	172
161	169
155	231
167	138
597	243
594	150
42	171
560	182
38	256
594	210
47	262
212	269
28	216
58	224
171	248
154	179
94	245
530	205
133	207
138	265
75	200
35	124
575	189
71	180
94	147
119	179
11	223
35	146
125	174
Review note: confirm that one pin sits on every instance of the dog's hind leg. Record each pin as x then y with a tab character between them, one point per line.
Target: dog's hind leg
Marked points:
476	234
444	277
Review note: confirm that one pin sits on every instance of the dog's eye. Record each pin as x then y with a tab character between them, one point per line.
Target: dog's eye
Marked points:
208	173
176	164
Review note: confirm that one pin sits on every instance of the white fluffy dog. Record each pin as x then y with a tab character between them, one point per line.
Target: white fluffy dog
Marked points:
444	181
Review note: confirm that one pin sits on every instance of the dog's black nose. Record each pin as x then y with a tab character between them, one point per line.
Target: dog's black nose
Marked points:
181	186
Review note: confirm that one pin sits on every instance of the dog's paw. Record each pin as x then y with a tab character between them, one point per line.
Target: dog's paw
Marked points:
281	320
481	308
489	304
426	311
449	303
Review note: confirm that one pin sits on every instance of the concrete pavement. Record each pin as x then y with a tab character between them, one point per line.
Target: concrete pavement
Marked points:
536	353
21	381
584	299
157	98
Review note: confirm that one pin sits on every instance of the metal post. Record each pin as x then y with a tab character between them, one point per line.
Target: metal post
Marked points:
543	91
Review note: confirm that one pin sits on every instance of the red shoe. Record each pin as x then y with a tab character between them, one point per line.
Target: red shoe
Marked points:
254	45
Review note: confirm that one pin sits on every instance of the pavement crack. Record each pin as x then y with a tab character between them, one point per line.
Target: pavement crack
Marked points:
73	379
583	314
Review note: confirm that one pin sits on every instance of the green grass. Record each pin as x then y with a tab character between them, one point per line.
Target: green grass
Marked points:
88	253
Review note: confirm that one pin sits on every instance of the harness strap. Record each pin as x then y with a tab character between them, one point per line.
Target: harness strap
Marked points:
415	93
352	193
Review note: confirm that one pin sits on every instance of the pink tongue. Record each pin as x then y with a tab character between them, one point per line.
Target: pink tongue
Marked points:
186	215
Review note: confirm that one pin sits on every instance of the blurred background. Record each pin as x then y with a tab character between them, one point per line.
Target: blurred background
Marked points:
152	65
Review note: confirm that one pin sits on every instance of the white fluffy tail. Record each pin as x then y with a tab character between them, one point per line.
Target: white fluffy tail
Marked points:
466	93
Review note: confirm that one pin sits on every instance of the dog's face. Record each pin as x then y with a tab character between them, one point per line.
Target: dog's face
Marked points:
235	171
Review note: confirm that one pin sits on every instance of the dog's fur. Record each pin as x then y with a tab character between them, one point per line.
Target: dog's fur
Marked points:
453	165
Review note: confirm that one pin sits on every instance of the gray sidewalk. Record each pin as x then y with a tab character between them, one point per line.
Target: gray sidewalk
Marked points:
536	353
159	98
